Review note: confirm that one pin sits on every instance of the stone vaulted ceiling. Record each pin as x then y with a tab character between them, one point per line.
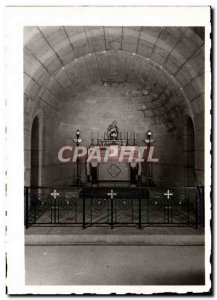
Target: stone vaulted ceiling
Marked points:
164	64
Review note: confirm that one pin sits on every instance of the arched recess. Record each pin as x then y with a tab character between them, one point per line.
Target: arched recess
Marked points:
189	152
36	177
35	153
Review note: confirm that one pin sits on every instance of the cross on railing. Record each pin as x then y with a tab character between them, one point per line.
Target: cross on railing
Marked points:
168	194
54	194
168	207
112	194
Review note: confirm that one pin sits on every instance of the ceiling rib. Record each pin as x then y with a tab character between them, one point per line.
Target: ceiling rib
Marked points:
162	86
57	55
137	46
172	77
88	69
150	70
180	38
99	70
51	75
69	41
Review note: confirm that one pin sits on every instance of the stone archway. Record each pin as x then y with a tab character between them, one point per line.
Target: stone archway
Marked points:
34	180
189	152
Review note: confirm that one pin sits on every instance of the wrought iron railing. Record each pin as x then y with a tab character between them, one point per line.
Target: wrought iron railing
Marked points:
117	206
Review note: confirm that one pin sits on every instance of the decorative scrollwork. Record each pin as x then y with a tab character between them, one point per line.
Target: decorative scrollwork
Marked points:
44	204
98	203
124	204
67	203
36	198
39	201
156	203
181	202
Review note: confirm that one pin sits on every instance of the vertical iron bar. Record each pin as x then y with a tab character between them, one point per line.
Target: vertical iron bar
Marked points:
91	211
83	212
196	212
111	213
199	207
27	208
58	212
107	201
188	210
147	209
202	216
75	211
140	217
35	212
51	211
55	211
168	211
115	210
132	211
171	211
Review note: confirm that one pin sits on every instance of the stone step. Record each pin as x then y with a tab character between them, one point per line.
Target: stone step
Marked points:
106	236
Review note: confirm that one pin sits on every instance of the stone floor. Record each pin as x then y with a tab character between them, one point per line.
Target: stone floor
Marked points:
122	256
114	265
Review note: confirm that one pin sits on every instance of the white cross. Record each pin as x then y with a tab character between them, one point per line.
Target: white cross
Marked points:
55	194
112	194
168	194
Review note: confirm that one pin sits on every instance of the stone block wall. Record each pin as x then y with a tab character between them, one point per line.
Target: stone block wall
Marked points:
91	112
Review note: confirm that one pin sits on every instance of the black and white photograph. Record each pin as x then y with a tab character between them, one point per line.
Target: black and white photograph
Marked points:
114	191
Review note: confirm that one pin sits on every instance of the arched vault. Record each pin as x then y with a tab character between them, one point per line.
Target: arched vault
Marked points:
164	64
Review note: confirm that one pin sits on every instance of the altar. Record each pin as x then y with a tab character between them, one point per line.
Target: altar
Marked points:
114	171
114	158
111	166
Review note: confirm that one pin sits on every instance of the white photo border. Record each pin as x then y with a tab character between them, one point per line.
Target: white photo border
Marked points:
15	19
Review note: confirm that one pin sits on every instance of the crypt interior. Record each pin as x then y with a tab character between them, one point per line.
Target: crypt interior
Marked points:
106	86
144	78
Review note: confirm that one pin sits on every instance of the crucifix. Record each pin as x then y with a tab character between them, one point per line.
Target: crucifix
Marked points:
54	194
112	194
168	194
